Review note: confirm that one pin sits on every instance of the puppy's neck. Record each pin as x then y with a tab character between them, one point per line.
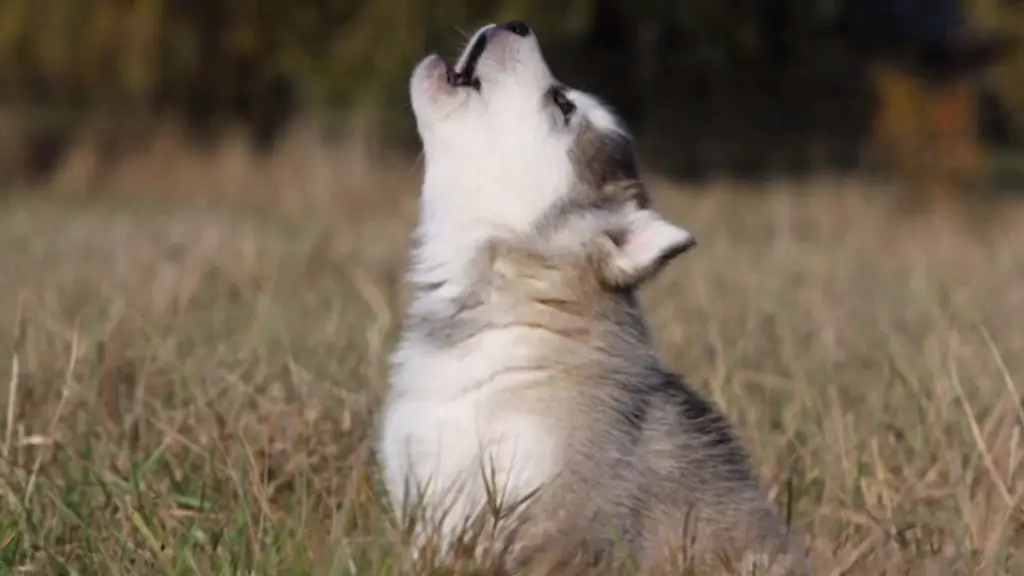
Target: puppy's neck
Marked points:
454	228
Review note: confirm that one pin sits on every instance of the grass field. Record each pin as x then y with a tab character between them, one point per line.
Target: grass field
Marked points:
194	359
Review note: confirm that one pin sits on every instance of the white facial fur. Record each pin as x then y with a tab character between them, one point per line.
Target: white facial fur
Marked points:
496	157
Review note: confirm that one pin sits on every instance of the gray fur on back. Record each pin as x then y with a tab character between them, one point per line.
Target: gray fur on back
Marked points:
652	469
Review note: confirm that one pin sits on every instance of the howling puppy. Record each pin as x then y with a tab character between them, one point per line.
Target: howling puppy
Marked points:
527	405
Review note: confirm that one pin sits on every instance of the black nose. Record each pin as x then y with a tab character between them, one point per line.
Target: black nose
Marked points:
517	27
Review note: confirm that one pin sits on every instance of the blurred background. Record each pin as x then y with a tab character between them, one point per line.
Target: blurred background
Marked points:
931	89
205	218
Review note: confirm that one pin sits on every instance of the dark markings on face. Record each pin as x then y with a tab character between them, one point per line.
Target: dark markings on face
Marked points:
584	199
600	158
606	177
607	180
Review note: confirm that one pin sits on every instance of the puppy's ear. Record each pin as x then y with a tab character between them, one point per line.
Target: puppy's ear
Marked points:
639	245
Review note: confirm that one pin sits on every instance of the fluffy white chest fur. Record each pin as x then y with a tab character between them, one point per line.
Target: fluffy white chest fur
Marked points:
452	441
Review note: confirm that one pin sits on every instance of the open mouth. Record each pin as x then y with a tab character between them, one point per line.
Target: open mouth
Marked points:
463	73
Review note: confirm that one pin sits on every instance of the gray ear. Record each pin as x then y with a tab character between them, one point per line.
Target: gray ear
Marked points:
642	243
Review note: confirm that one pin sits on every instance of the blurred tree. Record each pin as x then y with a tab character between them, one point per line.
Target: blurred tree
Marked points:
261	61
929	59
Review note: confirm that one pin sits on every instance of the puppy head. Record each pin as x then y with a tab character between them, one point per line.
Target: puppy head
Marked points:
504	140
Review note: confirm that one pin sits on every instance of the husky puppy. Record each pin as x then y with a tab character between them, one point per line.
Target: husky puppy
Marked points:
525	388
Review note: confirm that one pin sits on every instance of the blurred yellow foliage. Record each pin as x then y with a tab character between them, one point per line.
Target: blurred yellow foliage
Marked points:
928	129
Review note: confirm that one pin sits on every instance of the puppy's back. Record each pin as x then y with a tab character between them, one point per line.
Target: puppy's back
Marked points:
652	470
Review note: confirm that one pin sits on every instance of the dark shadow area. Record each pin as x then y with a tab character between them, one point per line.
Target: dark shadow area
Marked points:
748	120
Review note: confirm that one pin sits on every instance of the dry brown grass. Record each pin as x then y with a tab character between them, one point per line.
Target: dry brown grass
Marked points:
190	386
